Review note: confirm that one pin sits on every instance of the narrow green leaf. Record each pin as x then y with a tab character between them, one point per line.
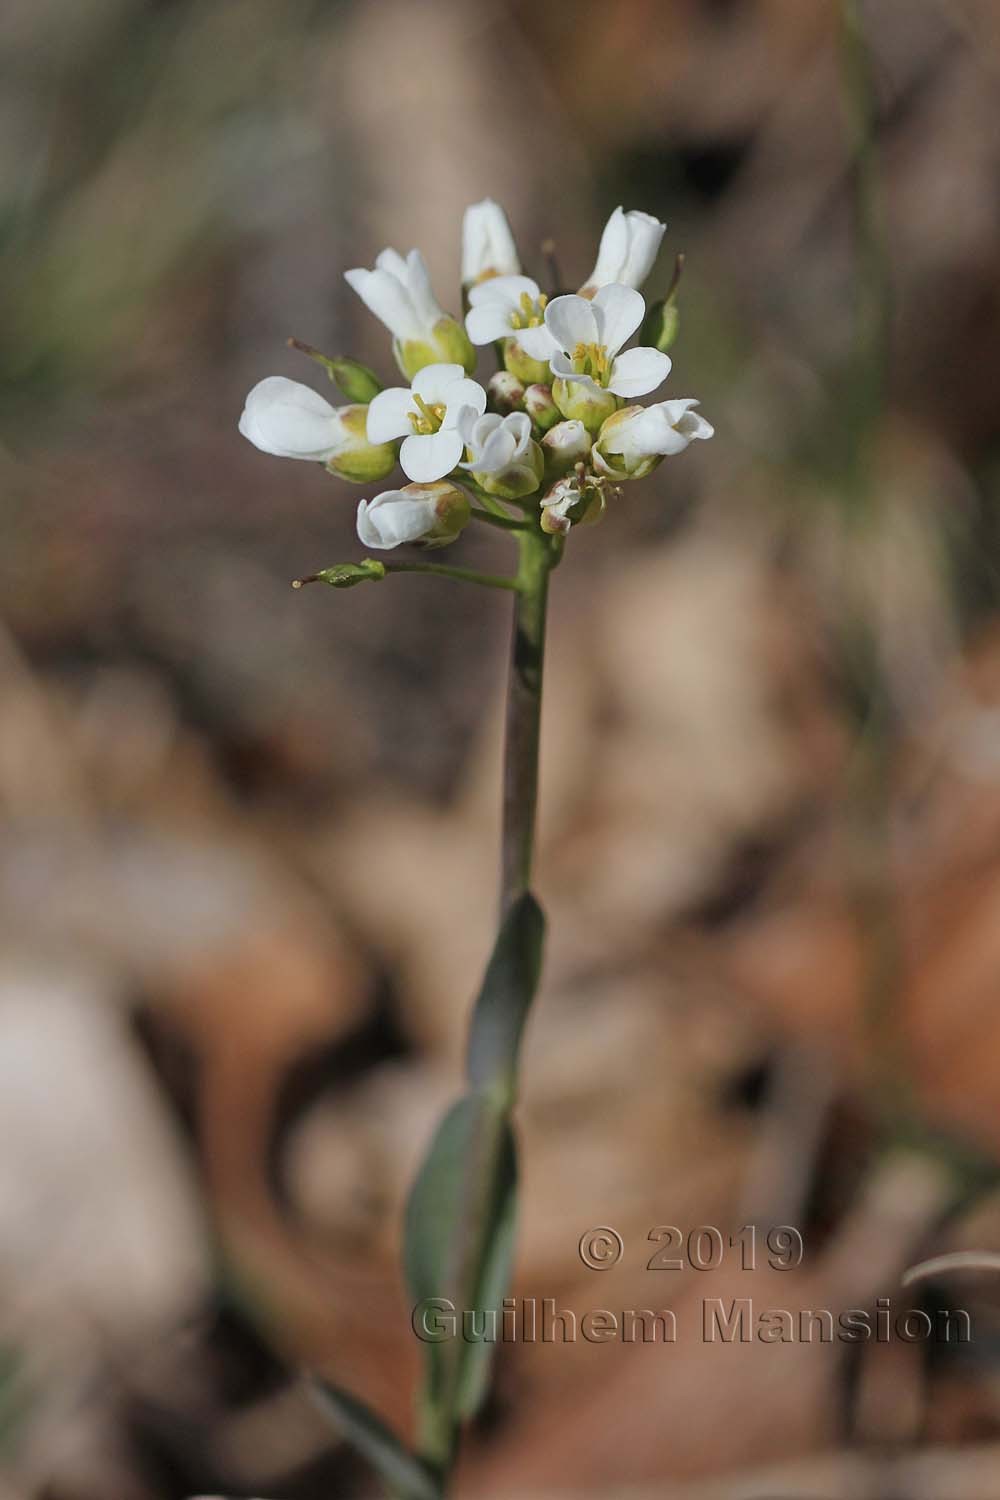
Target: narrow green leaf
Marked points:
493	1277
458	1241
433	1215
507	992
403	1474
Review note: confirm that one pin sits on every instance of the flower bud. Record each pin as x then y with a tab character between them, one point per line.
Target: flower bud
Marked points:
433	514
541	408
582	401
629	246
506	392
661	326
357	382
564	447
357	459
529	371
488	247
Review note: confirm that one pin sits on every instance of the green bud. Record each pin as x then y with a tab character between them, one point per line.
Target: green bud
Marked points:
357	382
359	460
529	371
346	575
506	393
541	408
660	326
564	447
449	345
662	321
588	404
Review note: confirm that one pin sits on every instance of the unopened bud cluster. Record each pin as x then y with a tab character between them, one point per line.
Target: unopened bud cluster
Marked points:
553	434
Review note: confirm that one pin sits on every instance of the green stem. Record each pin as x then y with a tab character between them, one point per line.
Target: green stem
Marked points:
475	1139
464	575
505	523
524	707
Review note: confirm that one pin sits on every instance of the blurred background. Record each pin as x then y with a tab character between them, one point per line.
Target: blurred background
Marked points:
249	835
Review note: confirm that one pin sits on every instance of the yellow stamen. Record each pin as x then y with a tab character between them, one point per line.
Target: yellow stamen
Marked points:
531	314
592	360
430	419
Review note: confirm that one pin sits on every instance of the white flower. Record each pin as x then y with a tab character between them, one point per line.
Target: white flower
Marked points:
292	420
488	247
503	456
430	513
399	293
494	442
510	307
427	415
629	247
632	442
589	334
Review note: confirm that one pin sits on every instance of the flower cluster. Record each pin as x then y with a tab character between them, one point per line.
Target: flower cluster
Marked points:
555	433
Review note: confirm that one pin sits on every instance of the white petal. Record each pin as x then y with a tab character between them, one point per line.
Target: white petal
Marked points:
487	242
619	311
387	297
695	426
290	420
432	381
508	289
419	283
680	414
644	236
480	427
562	369
391	261
651	431
537	342
612	250
638	371
393	518
428	457
496	453
461	393
518	424
571	321
389	415
488	322
466	419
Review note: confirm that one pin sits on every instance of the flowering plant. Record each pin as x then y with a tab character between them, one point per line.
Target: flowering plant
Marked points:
550	442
